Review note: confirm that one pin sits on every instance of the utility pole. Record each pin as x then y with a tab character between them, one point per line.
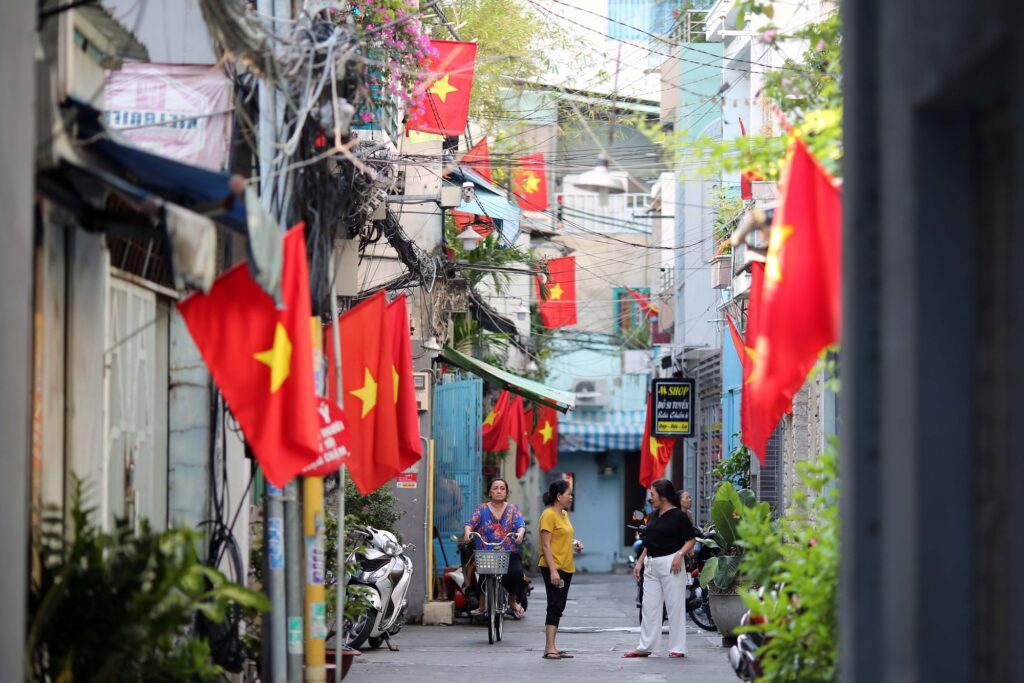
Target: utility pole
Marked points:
339	608
294	578
270	124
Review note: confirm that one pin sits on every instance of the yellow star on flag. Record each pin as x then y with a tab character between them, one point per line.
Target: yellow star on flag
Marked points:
531	183
654	447
556	292
278	358
773	261
546	431
752	355
442	88
367	393
491	417
394	378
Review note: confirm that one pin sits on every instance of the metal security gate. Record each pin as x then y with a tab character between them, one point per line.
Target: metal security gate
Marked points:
458	457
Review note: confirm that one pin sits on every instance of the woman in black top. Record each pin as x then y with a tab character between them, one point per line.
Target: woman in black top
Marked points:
667	541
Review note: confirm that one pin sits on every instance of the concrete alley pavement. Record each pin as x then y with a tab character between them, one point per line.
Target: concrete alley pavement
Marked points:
599	625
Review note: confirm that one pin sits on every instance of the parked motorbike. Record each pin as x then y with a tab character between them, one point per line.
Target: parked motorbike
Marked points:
743	655
387	571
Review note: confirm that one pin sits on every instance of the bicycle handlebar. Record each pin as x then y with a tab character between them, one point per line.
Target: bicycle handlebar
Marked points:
482	539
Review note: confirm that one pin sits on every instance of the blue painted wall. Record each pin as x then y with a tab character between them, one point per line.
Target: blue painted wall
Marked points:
732	383
599	518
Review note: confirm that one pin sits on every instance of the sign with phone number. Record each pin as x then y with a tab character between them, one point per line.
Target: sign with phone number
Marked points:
672	407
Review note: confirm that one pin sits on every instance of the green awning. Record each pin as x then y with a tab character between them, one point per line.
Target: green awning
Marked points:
562	401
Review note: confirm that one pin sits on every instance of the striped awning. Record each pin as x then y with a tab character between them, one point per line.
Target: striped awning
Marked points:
597	431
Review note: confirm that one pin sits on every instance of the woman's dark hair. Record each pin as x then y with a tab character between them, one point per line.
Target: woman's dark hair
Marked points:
556	489
491	485
667	490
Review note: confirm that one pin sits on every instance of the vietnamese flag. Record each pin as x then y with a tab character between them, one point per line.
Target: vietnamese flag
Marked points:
799	308
404	394
367	372
507	420
530	182
446	102
544	436
644	302
261	359
743	352
655	452
478	159
557	300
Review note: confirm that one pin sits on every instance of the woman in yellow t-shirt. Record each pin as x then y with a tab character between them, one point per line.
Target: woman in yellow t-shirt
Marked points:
557	566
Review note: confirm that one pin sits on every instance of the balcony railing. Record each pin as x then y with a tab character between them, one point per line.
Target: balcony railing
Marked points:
583	213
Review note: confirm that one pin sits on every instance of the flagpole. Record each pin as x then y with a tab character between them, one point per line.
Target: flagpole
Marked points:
339	608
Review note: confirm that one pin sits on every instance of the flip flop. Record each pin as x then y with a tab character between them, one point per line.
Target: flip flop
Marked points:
636	653
551	655
676	654
564	655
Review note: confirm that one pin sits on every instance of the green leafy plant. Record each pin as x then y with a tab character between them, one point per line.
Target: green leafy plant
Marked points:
798	558
726	209
117	605
726	509
735	469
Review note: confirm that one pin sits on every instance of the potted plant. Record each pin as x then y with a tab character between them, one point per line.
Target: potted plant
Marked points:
721	574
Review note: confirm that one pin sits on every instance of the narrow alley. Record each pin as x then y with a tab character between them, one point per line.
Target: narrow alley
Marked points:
599	625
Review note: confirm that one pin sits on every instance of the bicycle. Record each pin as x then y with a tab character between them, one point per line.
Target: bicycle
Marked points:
491	565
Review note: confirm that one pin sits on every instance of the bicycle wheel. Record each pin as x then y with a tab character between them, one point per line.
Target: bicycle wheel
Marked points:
492	608
501	605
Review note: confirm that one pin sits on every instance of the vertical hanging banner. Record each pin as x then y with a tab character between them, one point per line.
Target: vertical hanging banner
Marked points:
446	103
180	111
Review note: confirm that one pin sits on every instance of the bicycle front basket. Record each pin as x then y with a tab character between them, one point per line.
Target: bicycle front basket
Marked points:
491	562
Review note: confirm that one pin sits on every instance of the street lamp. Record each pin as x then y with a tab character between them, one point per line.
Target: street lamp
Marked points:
600	180
470	238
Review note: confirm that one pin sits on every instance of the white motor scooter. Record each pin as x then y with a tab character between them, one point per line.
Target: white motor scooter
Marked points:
387	571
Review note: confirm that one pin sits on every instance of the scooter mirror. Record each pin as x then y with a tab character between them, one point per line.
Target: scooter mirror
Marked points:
637	515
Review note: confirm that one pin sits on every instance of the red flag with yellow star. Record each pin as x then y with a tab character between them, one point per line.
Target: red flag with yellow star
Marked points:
507	420
655	452
799	307
544	437
557	297
367	374
261	359
404	394
478	158
446	103
744	352
530	183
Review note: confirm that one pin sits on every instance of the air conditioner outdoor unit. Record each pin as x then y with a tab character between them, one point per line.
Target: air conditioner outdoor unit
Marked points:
591	392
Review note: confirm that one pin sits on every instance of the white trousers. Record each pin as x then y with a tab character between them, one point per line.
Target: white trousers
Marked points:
661	586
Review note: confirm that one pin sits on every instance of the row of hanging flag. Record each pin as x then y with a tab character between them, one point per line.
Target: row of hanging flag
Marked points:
794	309
446	112
261	358
511	424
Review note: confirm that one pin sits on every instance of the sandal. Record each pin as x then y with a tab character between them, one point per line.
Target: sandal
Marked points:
680	655
551	655
518	611
564	655
636	653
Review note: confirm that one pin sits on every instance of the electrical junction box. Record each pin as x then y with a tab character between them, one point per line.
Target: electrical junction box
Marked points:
421	382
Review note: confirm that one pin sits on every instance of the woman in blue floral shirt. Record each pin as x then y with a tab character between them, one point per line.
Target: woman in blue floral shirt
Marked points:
500	521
